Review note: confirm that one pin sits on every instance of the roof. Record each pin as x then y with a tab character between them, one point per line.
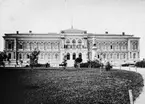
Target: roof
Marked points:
72	30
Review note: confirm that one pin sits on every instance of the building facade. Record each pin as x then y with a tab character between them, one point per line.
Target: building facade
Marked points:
115	48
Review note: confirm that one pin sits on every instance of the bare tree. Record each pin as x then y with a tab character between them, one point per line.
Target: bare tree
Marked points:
3	57
34	58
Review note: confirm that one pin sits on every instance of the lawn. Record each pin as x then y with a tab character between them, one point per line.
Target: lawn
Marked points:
70	86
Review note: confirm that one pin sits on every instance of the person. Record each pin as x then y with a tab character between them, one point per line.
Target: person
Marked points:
47	65
108	66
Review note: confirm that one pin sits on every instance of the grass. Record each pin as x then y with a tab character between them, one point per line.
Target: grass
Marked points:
71	86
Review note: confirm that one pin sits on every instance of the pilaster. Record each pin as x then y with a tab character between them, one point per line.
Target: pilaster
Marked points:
128	49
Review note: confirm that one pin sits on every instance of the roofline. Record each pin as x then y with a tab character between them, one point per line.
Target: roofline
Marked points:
108	34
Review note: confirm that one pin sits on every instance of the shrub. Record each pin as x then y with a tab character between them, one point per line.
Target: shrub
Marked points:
92	64
127	64
108	66
39	65
140	64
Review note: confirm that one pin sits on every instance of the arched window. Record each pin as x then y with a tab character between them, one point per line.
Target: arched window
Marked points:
67	41
80	55
48	46
67	44
31	46
74	56
130	55
56	56
20	46
74	43
134	55
9	45
45	44
79	43
48	55
98	56
124	47
41	55
117	47
68	56
104	55
111	47
117	55
124	56
20	56
111	55
28	56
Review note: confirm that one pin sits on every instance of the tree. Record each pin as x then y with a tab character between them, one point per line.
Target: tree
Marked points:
77	62
34	58
64	62
3	57
108	66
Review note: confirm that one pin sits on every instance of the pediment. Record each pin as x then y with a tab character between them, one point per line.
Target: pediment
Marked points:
72	30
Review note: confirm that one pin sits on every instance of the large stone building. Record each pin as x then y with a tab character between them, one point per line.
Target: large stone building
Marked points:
115	48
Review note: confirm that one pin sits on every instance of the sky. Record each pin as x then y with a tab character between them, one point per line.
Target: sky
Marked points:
95	16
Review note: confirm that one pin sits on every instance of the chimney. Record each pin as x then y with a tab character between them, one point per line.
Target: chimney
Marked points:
62	32
17	32
106	32
85	32
123	33
30	31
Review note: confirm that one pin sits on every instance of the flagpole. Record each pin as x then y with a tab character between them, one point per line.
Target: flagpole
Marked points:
71	15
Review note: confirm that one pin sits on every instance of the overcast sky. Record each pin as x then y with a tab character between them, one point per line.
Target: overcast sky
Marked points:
95	16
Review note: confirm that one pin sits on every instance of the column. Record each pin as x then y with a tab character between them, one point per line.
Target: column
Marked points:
128	49
4	44
15	50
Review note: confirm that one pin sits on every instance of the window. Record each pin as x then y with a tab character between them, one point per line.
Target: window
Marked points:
48	56
74	56
117	47
111	55
20	46
111	47
124	56
20	56
56	56
9	55
9	46
80	55
68	56
79	43
67	41
134	55
124	47
42	46
117	55
130	55
31	46
104	55
74	43
98	56
28	56
41	55
67	44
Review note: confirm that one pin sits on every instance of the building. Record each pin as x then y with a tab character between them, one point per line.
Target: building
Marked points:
115	48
